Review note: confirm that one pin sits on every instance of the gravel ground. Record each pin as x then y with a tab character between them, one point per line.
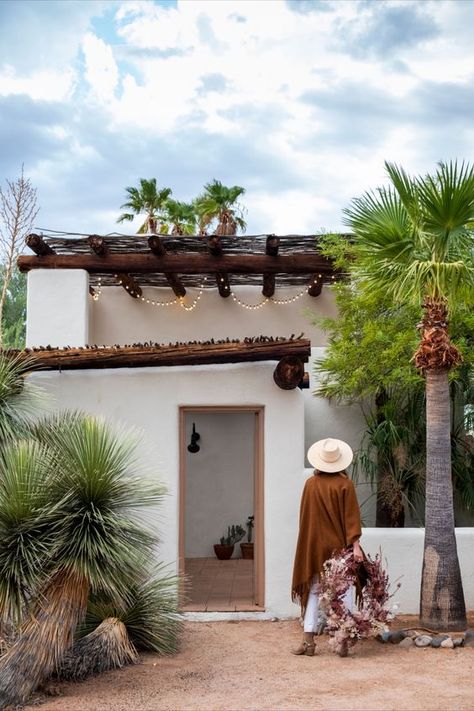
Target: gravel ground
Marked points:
247	665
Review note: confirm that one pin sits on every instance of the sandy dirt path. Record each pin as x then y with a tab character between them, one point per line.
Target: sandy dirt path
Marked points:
247	665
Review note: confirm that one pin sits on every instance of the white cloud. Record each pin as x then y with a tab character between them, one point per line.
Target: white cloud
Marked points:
101	70
300	106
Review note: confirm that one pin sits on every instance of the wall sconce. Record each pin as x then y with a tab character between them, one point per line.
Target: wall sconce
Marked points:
194	447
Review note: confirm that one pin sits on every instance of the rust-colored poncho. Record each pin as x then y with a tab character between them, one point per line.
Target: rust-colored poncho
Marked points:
329	521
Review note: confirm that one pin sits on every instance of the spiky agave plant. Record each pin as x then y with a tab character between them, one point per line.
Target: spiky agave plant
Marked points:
147	620
19	400
98	542
26	530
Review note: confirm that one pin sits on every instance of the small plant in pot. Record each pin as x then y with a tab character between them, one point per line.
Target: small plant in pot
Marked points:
225	548
247	547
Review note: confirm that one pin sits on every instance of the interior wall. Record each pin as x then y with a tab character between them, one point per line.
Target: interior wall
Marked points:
218	478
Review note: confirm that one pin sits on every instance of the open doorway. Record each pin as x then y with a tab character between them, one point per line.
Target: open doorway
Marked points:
221	485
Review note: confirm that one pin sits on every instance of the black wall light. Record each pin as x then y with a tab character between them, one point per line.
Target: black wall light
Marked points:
194	447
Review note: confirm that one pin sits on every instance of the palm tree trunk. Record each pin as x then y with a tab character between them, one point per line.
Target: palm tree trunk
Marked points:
44	638
442	603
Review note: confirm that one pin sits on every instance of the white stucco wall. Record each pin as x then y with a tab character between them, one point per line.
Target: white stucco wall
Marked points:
117	318
219	479
149	399
57	306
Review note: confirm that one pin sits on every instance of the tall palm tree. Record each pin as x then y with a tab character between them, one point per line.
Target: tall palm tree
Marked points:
181	217
94	542
145	199
414	240
219	202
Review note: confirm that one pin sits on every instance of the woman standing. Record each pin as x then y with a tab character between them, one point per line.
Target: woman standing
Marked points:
329	522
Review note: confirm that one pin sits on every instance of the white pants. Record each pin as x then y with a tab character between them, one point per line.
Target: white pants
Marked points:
312	607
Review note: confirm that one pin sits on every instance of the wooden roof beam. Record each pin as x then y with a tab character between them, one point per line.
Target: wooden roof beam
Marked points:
214	247
271	249
158	248
130	285
186	263
315	285
98	245
37	244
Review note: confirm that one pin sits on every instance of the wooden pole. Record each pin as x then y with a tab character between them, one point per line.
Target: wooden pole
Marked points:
158	248
186	263
289	372
130	285
37	244
271	249
315	285
98	245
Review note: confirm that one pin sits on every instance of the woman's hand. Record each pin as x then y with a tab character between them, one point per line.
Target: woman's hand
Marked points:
357	550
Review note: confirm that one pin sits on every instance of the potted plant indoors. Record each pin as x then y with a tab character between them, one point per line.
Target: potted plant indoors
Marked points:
225	548
247	547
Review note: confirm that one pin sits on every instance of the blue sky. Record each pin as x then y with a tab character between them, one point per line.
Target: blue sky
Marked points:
298	101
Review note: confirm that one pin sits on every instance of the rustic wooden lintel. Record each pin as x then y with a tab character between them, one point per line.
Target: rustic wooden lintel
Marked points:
161	355
37	244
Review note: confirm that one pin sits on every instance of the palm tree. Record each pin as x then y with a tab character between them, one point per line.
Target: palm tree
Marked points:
93	542
181	216
414	241
218	202
145	199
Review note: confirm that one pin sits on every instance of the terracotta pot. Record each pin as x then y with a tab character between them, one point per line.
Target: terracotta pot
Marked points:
247	550
223	552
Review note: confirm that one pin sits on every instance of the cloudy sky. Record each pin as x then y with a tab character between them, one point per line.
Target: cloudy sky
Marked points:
299	101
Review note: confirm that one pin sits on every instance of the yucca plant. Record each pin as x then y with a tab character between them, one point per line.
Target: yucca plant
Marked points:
414	241
98	542
112	632
20	400
27	517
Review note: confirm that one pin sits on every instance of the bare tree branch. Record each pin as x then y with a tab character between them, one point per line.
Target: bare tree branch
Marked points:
18	210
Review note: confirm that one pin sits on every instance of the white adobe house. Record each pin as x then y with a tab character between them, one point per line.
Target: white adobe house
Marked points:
253	434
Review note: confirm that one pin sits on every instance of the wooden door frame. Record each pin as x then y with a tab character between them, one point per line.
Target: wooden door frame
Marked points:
258	488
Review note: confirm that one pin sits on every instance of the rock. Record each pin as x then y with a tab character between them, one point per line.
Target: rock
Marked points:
274	619
385	636
458	642
447	643
436	641
406	643
469	638
396	637
424	640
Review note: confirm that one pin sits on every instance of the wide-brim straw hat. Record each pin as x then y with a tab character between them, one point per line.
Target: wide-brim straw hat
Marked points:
330	455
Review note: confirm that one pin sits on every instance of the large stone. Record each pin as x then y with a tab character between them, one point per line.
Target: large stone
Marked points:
407	643
397	636
458	641
469	638
436	641
424	640
385	636
447	643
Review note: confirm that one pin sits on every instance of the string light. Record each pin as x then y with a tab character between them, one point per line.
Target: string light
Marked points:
190	307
